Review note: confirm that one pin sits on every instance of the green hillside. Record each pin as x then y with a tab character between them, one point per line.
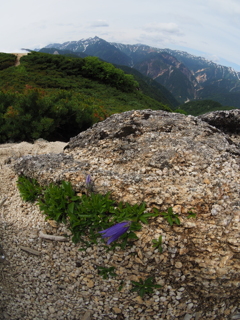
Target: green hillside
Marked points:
7	60
199	107
147	85
56	97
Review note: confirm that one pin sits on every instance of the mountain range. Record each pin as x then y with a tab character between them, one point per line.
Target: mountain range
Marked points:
186	76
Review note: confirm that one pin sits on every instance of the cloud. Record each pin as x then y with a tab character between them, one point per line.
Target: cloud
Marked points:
161	34
164	28
226	7
99	24
212	57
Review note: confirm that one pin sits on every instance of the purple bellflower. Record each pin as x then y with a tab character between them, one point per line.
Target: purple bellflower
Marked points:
88	180
89	183
114	232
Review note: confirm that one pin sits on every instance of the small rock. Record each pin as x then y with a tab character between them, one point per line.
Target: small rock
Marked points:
177	209
181	289
132	277
90	284
51	310
187	316
178	265
190	305
87	316
198	315
139	252
206	181
53	223
116	310
139	300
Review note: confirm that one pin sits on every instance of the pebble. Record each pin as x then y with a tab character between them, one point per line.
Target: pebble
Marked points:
178	265
116	310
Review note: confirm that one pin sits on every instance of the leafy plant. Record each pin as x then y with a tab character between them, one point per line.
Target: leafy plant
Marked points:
29	188
59	201
88	214
134	213
169	216
97	212
145	287
158	244
106	272
91	215
191	214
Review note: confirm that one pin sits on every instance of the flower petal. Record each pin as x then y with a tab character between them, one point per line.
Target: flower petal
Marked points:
88	179
114	232
116	236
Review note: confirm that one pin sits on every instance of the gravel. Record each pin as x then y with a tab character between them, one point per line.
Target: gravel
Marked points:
63	283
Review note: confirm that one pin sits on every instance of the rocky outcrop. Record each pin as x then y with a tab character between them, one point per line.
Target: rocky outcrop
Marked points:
227	121
166	160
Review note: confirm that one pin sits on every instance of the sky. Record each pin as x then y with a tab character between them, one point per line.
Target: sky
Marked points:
208	28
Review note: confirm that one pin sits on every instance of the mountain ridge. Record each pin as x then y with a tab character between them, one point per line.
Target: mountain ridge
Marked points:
186	76
77	46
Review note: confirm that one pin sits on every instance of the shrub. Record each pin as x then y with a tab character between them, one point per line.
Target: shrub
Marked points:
37	114
7	60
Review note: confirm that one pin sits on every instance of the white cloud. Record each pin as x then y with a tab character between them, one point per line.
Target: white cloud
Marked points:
226	6
99	23
168	27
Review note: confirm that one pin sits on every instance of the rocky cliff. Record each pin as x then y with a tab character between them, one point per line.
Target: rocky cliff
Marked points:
166	160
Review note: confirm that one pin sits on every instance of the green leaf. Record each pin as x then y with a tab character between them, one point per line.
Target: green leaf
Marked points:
149	281
71	207
170	211
170	220
132	235
177	220
75	198
141	292
191	214
143	219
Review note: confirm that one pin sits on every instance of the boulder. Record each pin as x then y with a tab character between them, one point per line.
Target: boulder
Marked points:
167	160
226	120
